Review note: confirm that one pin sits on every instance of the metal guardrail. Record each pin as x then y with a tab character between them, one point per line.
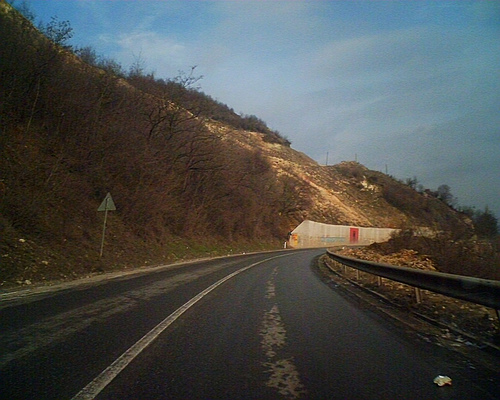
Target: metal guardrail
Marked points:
476	290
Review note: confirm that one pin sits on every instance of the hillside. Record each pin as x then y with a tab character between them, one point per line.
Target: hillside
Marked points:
349	193
187	176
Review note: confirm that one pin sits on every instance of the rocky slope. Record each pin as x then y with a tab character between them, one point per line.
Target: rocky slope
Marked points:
348	193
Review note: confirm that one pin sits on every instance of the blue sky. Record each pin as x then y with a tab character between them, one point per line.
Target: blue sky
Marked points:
411	85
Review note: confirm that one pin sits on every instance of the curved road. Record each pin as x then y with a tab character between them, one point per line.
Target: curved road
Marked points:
268	329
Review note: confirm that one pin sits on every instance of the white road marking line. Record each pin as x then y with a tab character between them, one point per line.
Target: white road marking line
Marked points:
273	332
283	375
90	391
270	287
285	378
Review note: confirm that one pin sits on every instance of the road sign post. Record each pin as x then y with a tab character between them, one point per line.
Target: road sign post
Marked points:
106	205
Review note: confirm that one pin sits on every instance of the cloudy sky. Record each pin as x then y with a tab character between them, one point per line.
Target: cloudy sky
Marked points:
411	87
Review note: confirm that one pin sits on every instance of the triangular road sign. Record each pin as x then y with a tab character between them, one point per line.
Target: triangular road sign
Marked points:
107	204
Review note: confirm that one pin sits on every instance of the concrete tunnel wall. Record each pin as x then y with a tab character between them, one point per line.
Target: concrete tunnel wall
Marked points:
317	234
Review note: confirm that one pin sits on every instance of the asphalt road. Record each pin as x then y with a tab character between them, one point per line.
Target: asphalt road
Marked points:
273	330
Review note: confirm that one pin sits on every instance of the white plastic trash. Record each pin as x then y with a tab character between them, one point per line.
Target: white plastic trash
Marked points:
442	380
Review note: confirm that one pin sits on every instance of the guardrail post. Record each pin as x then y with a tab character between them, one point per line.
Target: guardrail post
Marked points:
418	295
475	290
379	280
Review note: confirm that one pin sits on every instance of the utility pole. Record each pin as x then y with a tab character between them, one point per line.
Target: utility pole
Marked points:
326	158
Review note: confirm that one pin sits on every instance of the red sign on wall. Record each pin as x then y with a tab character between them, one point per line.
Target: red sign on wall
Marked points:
353	235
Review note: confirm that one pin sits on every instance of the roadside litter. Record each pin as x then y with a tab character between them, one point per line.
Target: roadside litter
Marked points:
442	380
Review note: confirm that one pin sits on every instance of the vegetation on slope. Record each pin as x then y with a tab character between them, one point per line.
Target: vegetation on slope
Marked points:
72	132
397	203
